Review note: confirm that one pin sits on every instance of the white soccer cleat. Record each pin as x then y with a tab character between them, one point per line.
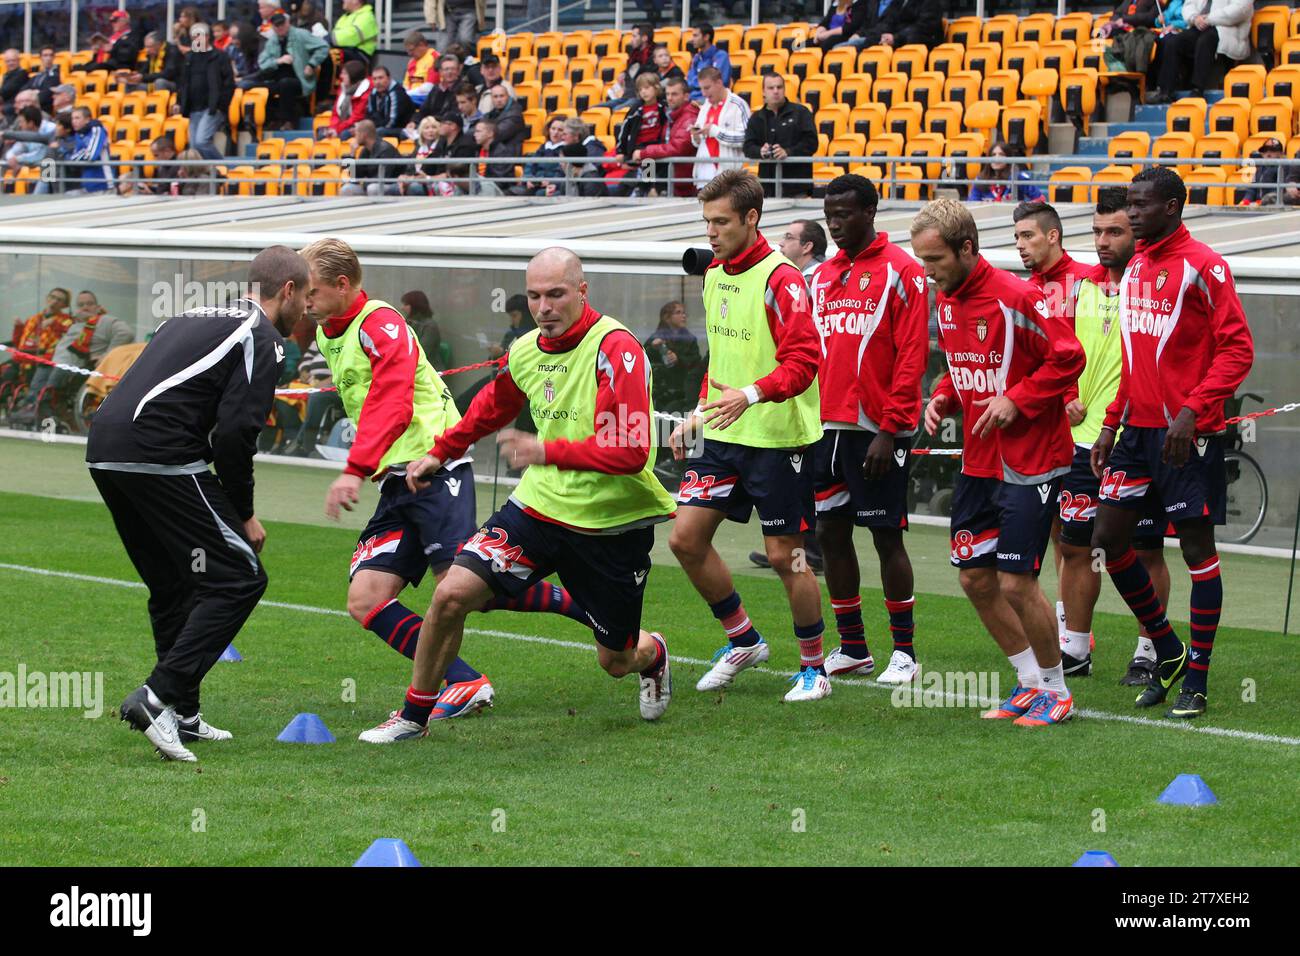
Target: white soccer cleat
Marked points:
393	729
809	684
729	661
657	689
196	728
902	669
839	664
156	723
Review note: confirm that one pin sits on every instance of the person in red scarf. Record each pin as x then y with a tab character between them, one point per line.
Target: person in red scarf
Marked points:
38	335
121	48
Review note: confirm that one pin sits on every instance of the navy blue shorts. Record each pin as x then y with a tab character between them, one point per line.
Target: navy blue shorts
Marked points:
995	524
1080	492
843	492
605	573
737	479
410	534
1135	477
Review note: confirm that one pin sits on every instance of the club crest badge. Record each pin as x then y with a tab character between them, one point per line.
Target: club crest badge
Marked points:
1161	279
981	329
864	282
548	389
722	309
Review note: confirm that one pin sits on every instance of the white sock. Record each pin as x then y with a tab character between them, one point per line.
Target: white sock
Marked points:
1053	678
1060	620
1076	643
153	698
1145	649
1026	666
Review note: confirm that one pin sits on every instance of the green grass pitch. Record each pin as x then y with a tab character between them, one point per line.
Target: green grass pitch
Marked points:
563	770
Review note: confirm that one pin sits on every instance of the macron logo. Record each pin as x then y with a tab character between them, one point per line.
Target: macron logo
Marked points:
1044	491
638	577
391	329
74	909
1219	273
795	290
920	284
279	353
1041	308
629	362
453	485
900	456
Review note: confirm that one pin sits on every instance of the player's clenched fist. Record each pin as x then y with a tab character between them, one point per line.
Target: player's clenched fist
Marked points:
416	471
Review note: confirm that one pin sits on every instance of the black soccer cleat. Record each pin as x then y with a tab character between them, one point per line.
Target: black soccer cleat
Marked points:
1165	676
1139	673
1190	703
1076	666
158	724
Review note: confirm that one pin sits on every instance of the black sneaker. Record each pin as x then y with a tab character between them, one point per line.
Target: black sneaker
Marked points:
1190	703
1076	666
1139	673
1165	676
760	559
157	723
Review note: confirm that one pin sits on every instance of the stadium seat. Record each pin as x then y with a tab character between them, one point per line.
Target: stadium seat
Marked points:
96	81
875	60
762	38
1275	115
1231	115
905	119
1041	85
605	42
982	117
519	44
889	89
806	62
1022	122
817	89
792	36
1187	115
1076	27
576	43
1079	95
925	88
522	70
840	62
823	144
1133	144
1001	86
965	144
1290	51
127	128
847	144
883	144
983	58
325	180
729	36
944	118
1284	81
945	58
529	95
1110	176
110	104
610	66
1021	57
743	64
108	122
930	146
909	60
870	170
750	88
253	110
587	94
868	119
1069	184
556	96
178	128
271	149
964	30
772	61
1172	146
157	103
600	119
1219	146
1245	82
150	128
133	104
1091	56
1059	55
1206	186
1000	29
962	86
1268	28
905	182
234	112
832	119
1036	28
670	37
853	91
120	152
553	68
1256	140
547	45
582	69
823	173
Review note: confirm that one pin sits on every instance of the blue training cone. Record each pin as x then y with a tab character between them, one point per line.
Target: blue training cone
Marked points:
230	655
1095	858
306	729
387	852
1188	790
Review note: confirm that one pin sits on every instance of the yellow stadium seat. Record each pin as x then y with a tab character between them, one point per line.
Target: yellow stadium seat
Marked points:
964	30
1069	184
1022	122
817	89
576	43
761	38
519	44
158	103
522	69
792	87
1036	29
889	89
1268	28
1295	23
964	144
1231	115
1173	146
327	149
234	111
1219	146
1078	95
944	118
928	145
1040	85
743	64
884	144
1206	186
1245	82
609	67
905	182
670	37
587	94
127	128
1187	116
983	117
867	119
909	60
133	104
792	36
1059	55
982	57
494	43
853	91
750	88
1001	86
772	61
529	95
946	57
869	170
1284	81
178	128
832	119
824	172
729	36
806	62
547	45
905	119
840	61
271	149
1092	56
962	86
253	110
1113	175
534	120
326	180
110	104
599	119
582	68
1073	26
1134	144
1021	57
1290	52
1000	29
96	81
150	127
605	42
556	95
553	69
925	88
875	60
847	144
1274	115
120	152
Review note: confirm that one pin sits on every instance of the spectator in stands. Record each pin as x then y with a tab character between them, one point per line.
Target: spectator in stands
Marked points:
14	81
160	180
65	97
520	323
1214	28
645	126
804	244
896	23
674	354
90	145
290	63
242	50
207	84
161	69
509	118
120	50
707	56
467	107
664	65
455	21
840	25
221	37
442	95
266	9
419	316
1273	184
682	114
1127	15
585	175
780	130
421	67
469	65
494	176
44	80
1004	181
197	179
309	18
493	76
184	23
388	105
371	178
27	152
537	176
38	335
356	32
719	130
440	139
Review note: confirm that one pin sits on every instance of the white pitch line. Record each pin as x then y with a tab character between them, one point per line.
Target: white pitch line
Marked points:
1185	727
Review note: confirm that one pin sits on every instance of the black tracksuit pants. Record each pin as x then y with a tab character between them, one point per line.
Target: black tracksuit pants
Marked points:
203	577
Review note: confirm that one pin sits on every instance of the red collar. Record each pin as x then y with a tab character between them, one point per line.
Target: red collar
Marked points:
336	325
974	281
573	336
843	259
1065	266
747	259
1165	245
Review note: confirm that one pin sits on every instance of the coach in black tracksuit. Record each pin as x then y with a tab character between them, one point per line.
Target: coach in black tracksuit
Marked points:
198	395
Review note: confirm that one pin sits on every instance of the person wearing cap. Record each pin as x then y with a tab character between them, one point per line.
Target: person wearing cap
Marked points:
440	178
455	20
1271	179
123	45
290	66
491	71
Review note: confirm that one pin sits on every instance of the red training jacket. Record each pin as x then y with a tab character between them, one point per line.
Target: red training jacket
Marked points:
678	143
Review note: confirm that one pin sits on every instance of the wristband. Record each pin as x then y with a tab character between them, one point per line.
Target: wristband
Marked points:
751	394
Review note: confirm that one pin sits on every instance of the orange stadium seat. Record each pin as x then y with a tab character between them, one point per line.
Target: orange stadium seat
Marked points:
611	66
547	45
670	37
1290	51
875	60
126	130
272	149
1112	175
534	120
1020	57
150	128
576	43
884	144
1187	116
962	86
1001	29
132	104
1001	86
120	152
792	36
965	144
983	117
944	118
905	182
529	95
1273	114
494	43
750	88
1173	146
1231	115
946	57
909	60
773	61
1268	28
1256	140
847	144
964	30
867	119
743	64
1078	95
832	119
253	110
905	119
1022	122
552	69
556	96
522	69
1206	186
982	57
587	94
108	122
1284	81
806	62
853	91
1059	55
1036	29
729	36
157	103
761	38
1133	144
889	88
816	90
110	104
1069	184
840	61
1040	85
1245	82
582	68
1219	146
178	128
925	88
606	42
1092	56
599	119
930	146
1073	26
519	44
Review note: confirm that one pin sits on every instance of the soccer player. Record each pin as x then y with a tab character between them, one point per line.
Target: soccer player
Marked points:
1010	360
1096	324
872	309
1187	348
198	395
586	506
400	406
757	433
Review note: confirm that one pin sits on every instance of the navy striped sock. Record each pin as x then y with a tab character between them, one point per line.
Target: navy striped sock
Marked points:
900	624
419	705
848	622
1134	585
545	597
1207	604
731	613
399	627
